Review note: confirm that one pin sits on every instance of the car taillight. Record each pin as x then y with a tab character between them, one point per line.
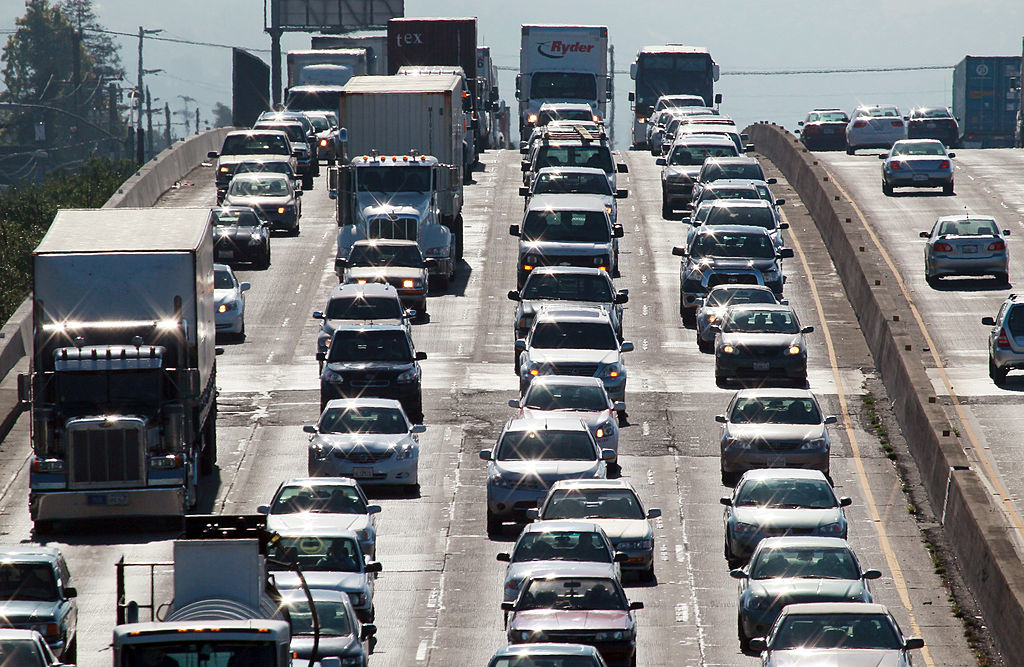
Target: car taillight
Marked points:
997	245
942	247
897	123
812	129
1003	341
895	165
860	123
944	164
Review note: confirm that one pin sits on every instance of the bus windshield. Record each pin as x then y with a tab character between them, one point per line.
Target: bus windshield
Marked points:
660	74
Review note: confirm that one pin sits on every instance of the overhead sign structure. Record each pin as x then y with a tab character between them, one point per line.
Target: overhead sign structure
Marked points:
331	15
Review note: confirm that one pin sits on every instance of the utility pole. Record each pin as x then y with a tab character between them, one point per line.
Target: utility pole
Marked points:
275	51
113	118
184	112
139	146
611	90
197	120
149	124
167	124
76	66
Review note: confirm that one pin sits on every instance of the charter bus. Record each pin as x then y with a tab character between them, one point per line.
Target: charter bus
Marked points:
672	69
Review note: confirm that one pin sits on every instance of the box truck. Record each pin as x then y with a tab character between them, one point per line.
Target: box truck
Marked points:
375	44
986	99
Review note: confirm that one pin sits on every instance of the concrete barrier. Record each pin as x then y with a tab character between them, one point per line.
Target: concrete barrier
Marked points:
142	188
974	524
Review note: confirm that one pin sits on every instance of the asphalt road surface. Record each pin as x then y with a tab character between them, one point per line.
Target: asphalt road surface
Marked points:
437	600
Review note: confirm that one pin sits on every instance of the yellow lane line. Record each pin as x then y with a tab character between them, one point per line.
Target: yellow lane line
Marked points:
990	473
891	559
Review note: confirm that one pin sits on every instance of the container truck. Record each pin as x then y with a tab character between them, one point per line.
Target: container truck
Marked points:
986	100
330	67
404	176
671	69
375	44
223	609
562	63
487	74
122	382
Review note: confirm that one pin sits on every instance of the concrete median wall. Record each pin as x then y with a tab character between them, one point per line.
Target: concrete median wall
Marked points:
143	188
974	524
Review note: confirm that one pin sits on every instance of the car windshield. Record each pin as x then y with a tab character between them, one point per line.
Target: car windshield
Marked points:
370	345
593	504
223	280
273	167
568	287
384	254
827	631
732	244
547	115
760	216
923	148
320	499
393	179
770	410
563	85
880	112
295	131
574	336
572	183
315	554
27	581
575	545
255	144
729	193
269	186
965	227
717	170
543	659
694	155
575	593
585	398
364	308
598	157
786	494
829	117
363	419
760	321
567	226
938	112
547	445
230	217
804	563
332	617
319	123
728	296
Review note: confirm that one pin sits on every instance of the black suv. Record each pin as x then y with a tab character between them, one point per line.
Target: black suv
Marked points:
373	361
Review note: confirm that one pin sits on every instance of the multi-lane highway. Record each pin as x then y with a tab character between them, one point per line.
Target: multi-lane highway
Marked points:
438	599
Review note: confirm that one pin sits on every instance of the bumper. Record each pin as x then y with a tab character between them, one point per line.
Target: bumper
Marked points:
918	179
388	472
230	322
106	503
677	193
836	141
794	367
736	460
949	137
948	266
1004	358
287	220
511	504
229	253
638	560
406	394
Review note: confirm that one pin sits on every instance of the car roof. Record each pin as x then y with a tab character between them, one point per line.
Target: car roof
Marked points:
737	287
571	170
965	216
560	525
320	481
558	313
812	541
773	307
545	649
581	569
393	242
318	595
566	380
364	402
325	530
570	269
567	202
370	327
363	289
737	182
917	142
28	552
732	229
697	138
738	203
784	473
733	159
222	267
569	106
592	484
260	176
552	423
828	109
257	131
773	392
835	608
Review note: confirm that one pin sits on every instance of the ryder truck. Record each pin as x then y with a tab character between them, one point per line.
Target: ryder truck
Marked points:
562	63
122	383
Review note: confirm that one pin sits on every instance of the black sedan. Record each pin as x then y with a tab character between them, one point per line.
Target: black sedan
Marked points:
240	234
761	340
933	123
824	129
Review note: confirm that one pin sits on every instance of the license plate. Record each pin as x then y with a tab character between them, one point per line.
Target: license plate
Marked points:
968	249
930	123
920	177
362	473
777	462
227	254
106	499
828	130
761	365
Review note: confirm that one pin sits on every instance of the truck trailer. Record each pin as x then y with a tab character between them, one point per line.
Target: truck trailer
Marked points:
562	63
375	44
122	382
986	100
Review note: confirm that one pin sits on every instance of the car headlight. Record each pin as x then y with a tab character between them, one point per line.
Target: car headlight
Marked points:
404	452
319	452
712	318
523	322
756	602
771	275
504	482
605	430
363	534
224	170
817	443
329	375
532	260
410	375
255	238
526	635
612	371
794	349
733	443
743	528
729	349
323	143
412	283
513	585
609	210
636	545
357	599
614	635
835	528
51	631
534	369
439	251
227	307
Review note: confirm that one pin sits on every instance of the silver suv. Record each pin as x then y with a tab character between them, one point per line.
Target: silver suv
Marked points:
566	286
36	594
1006	340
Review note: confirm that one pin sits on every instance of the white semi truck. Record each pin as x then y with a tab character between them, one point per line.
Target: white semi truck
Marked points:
403	178
562	63
122	382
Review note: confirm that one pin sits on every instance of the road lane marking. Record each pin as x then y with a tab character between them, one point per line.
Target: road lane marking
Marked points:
990	474
891	559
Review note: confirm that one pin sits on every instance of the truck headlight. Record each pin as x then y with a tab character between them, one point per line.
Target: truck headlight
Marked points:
331	376
755	602
741	528
771	275
357	599
410	375
794	349
835	528
439	251
729	349
255	238
612	371
605	430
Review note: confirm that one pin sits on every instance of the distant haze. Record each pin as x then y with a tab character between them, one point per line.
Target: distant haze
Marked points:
742	36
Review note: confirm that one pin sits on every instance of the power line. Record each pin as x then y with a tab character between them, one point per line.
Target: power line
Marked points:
175	40
785	72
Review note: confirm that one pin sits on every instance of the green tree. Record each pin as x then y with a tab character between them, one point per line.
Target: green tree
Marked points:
221	115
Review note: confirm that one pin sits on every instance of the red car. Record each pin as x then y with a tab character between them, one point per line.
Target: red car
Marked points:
583	605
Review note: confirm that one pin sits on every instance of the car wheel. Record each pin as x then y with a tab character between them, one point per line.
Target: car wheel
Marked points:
948	188
850	150
744	639
70	655
704	346
933	281
43	526
493	523
721	380
295	232
307	181
1003	278
666	208
416	414
648	574
997	374
886	189
689	316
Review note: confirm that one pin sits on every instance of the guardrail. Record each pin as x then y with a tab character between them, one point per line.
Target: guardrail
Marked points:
974	525
143	188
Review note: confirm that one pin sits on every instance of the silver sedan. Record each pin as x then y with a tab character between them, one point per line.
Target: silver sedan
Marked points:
966	245
917	163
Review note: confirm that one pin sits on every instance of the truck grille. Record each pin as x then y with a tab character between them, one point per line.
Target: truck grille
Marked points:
399	228
731	279
583	370
571	637
103	458
363	456
778	445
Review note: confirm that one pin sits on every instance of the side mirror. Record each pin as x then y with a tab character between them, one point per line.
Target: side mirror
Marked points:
990	321
504	557
831	419
508	606
430	262
721	419
70	592
780	202
845	501
725	500
621	193
368	630
653	513
627	346
914	643
883	156
621	297
532	513
524	166
631	96
24	389
748	148
520	345
619	406
263	509
607	454
373	509
318	315
373	566
514	403
486	455
523	191
952	155
785	253
321	356
758	645
341	261
514	295
245	287
309	428
513	230
633	606
661	162
800	124
1006	232
679	251
418	428
737	574
924	235
807	330
687	220
622	168
871	574
620	557
212	155
783	225
420	356
772	181
617	231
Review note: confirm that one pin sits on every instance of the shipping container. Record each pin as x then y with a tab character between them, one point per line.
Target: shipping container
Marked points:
375	44
433	41
986	100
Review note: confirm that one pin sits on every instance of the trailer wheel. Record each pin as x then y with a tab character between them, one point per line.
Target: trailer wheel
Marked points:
208	456
43	526
457	228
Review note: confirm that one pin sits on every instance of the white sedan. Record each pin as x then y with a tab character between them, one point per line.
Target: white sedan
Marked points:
229	301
